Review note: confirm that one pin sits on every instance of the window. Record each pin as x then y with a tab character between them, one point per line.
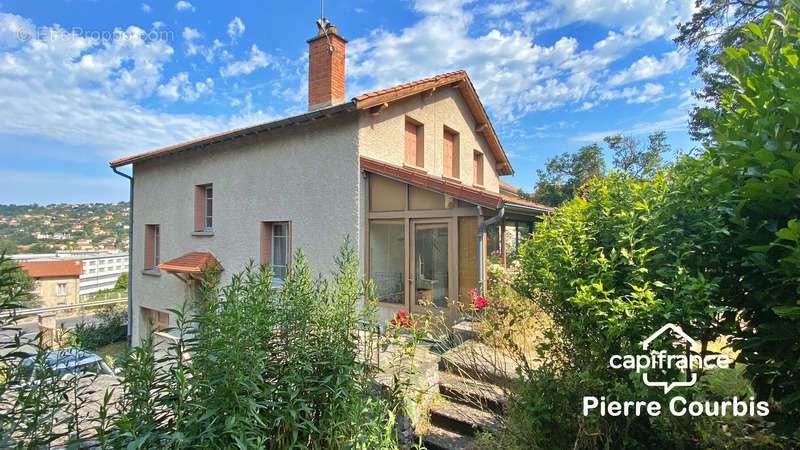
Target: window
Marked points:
477	168
155	320
387	260
152	246
61	289
276	243
414	143
450	154
203	207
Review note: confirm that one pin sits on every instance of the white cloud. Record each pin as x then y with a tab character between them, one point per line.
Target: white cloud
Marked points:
649	93
235	28
257	60
502	9
83	92
512	73
184	6
157	25
676	122
146	8
190	35
179	87
15	30
649	67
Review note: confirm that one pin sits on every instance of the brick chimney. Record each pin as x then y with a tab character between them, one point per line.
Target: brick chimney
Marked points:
325	67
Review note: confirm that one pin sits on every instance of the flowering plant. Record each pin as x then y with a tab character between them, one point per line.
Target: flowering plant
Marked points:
401	320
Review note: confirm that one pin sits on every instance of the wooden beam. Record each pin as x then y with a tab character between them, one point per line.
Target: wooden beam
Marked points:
428	93
378	109
482	127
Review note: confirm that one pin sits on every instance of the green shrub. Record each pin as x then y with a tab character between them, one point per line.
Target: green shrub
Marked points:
111	327
754	169
269	368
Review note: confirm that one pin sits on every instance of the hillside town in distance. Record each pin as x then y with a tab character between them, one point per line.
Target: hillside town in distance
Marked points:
73	252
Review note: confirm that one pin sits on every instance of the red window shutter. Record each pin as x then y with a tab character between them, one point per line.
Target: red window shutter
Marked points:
447	154
266	242
199	208
148	247
411	143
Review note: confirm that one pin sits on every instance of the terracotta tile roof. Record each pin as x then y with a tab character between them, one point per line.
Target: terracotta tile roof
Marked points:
192	262
458	78
514	200
236	132
507	186
457	190
122	161
425	83
53	269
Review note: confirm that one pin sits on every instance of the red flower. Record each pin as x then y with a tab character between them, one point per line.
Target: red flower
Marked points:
480	302
473	292
402	314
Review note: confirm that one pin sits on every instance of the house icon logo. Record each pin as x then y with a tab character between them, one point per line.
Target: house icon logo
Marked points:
658	357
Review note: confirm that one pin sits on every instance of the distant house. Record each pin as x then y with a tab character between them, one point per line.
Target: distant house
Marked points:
410	173
57	282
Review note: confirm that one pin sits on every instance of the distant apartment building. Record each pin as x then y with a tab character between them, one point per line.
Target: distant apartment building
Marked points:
101	270
57	282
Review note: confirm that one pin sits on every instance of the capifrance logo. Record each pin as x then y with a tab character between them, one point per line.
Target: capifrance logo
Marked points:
650	361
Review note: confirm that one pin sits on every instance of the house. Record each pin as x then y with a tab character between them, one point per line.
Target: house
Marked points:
57	282
409	173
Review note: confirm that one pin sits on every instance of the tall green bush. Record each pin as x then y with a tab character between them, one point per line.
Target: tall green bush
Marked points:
268	367
754	171
613	267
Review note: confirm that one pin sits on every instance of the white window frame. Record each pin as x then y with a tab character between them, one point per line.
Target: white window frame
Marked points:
274	237
208	218
61	289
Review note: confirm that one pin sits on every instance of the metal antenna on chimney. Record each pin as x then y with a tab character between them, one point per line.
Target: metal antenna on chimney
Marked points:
323	24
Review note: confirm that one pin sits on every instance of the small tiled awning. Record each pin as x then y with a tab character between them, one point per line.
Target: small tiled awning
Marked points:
190	265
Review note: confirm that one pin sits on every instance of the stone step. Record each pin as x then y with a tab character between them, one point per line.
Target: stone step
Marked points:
480	362
460	418
436	438
471	392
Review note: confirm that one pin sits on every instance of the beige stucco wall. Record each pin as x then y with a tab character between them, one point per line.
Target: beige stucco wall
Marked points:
382	137
306	174
47	290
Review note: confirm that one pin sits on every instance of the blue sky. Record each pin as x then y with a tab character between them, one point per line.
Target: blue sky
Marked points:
86	81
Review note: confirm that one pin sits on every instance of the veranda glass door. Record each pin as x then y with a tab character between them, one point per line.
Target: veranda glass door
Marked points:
431	251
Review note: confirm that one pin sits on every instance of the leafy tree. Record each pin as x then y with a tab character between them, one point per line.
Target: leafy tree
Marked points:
754	169
8	247
122	282
566	173
716	25
635	159
19	285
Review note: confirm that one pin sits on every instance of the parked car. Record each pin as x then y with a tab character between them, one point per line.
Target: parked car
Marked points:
61	362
